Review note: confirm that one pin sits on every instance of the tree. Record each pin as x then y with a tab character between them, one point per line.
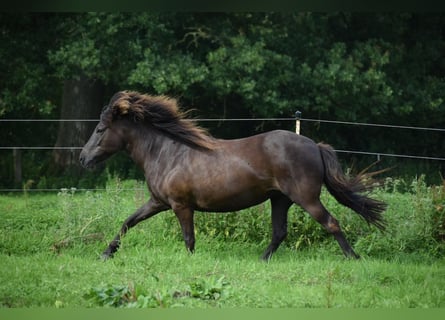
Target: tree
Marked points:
94	52
366	67
82	99
26	89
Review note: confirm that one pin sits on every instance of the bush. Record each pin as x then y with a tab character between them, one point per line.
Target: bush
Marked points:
415	223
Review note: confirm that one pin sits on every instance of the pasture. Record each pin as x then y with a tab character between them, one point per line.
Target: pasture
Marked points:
50	244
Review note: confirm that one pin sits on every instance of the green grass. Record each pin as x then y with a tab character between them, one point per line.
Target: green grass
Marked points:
290	280
50	243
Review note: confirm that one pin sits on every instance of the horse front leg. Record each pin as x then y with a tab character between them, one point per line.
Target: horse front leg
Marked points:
185	218
280	207
151	208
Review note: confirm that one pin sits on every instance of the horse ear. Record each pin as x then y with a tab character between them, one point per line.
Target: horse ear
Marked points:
120	104
125	104
121	107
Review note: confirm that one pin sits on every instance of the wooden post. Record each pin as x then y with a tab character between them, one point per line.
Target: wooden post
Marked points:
17	155
297	122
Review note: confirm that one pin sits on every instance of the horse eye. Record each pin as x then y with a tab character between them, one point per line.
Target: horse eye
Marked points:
101	129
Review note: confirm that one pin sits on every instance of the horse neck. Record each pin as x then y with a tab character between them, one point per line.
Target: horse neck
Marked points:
148	148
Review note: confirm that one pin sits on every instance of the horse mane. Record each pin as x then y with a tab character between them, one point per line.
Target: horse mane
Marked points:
163	114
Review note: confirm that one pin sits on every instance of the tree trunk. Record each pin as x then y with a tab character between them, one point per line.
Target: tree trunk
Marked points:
82	99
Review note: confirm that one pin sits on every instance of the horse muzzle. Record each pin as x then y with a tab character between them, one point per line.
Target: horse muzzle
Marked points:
86	161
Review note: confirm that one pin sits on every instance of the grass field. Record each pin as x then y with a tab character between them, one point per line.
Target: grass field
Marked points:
50	243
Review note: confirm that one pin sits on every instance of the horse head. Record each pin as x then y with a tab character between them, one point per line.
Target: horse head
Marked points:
107	138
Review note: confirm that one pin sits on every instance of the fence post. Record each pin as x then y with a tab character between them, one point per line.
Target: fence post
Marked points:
17	157
297	121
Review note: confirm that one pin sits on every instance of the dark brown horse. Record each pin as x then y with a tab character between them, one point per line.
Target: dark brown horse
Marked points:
188	170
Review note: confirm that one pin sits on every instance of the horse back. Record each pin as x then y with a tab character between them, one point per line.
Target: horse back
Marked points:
242	172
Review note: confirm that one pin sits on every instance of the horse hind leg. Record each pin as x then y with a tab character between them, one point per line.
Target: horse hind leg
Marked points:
280	206
321	215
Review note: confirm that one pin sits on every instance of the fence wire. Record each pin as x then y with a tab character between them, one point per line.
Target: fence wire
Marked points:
375	154
251	119
378	154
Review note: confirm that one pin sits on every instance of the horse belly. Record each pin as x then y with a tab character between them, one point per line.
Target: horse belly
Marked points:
234	198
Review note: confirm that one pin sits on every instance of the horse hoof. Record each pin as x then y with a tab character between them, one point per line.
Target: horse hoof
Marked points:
105	256
266	257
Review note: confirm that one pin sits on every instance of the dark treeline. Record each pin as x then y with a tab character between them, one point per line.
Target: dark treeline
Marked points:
365	67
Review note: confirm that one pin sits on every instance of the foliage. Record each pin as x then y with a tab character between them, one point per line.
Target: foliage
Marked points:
113	296
127	296
209	289
348	77
366	67
26	74
415	224
415	221
131	297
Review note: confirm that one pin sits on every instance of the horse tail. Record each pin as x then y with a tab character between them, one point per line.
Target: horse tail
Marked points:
348	191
